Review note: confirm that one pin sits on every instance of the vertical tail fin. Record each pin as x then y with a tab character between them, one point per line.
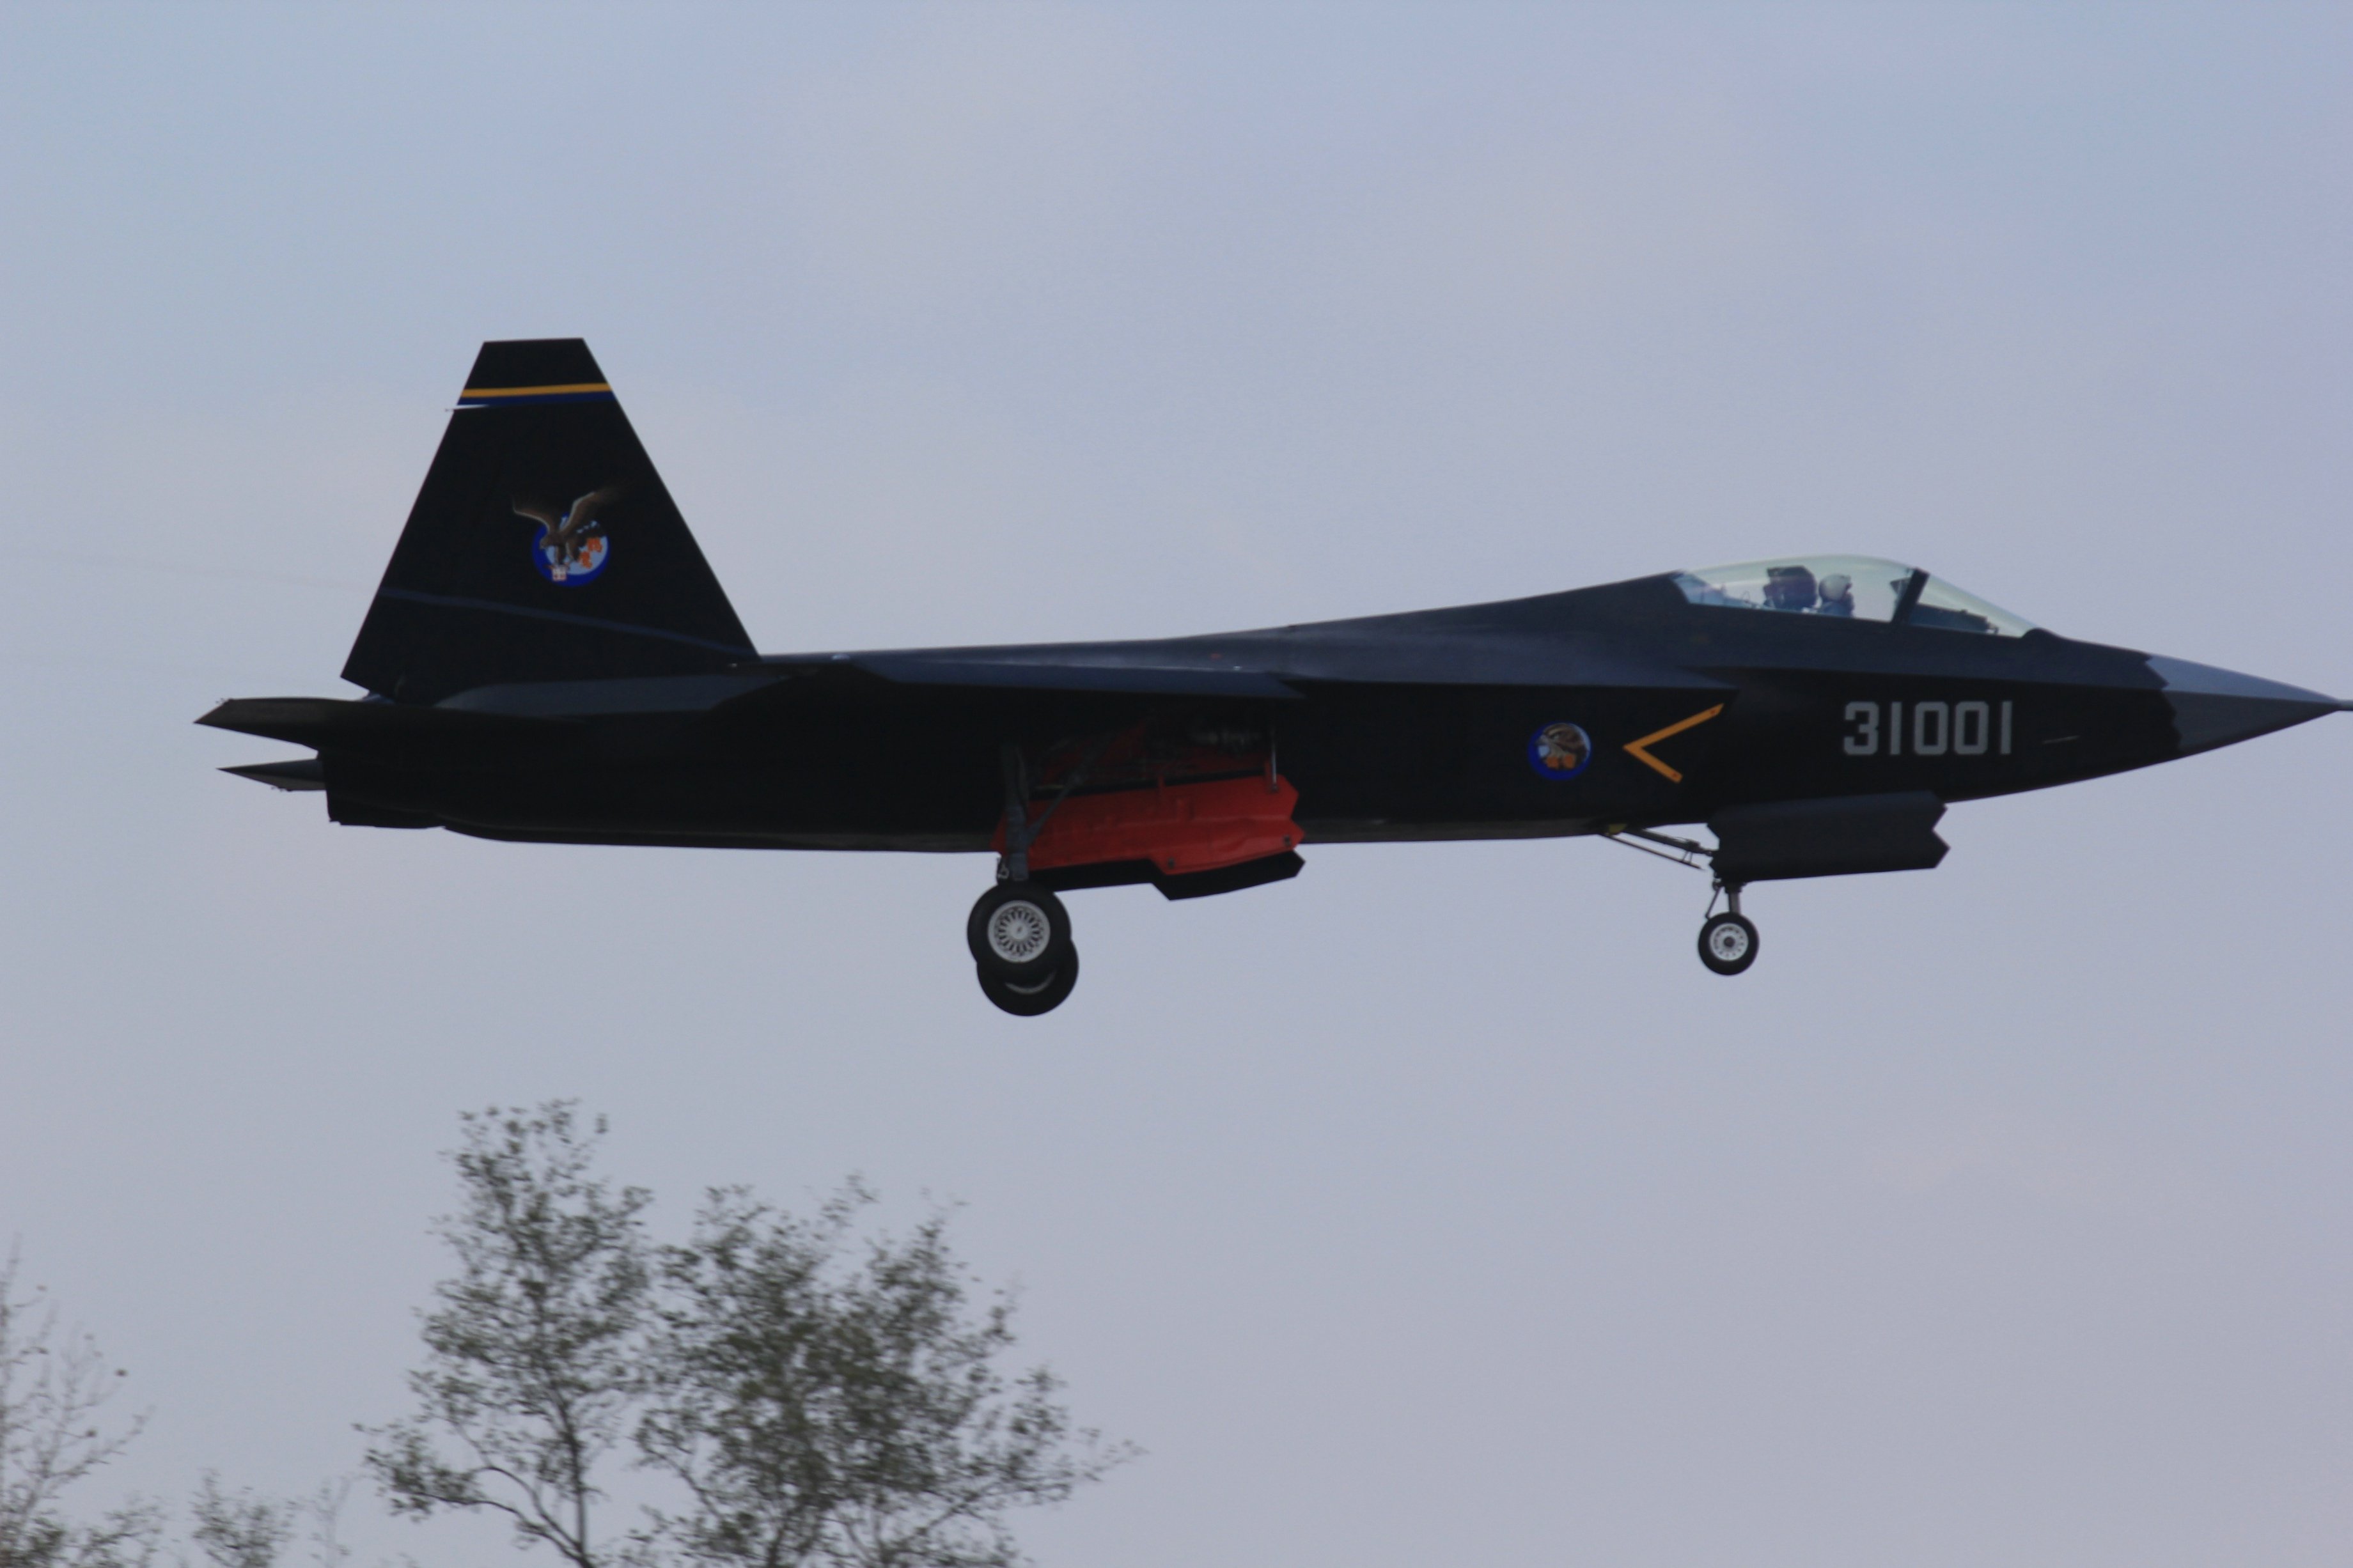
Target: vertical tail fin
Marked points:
542	546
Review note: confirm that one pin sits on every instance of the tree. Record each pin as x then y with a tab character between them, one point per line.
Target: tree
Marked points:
534	1356
852	1416
242	1532
816	1400
54	1385
250	1530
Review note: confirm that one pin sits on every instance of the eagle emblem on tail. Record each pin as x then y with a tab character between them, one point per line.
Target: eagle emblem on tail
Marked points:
572	546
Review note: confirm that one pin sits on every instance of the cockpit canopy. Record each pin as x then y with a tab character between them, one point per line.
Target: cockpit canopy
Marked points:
1849	587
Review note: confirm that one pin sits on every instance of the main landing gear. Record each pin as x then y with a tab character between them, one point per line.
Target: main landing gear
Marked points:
1020	934
1727	942
1192	806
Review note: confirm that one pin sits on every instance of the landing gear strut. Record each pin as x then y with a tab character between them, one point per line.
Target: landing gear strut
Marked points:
1020	932
1727	943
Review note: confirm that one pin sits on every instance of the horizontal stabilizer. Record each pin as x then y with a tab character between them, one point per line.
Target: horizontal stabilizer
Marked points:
1839	836
299	773
325	722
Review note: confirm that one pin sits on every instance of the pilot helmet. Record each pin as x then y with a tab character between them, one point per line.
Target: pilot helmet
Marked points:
1789	587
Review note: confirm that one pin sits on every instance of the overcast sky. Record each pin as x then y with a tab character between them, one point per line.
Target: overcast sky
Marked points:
1434	1207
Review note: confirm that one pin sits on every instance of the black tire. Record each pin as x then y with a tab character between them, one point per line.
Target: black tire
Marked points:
1018	930
1029	998
1727	944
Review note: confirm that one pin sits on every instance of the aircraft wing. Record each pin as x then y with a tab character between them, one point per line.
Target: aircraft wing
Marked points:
1047	672
1262	665
1442	659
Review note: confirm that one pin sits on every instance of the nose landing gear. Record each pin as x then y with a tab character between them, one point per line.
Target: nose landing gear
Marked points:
1727	942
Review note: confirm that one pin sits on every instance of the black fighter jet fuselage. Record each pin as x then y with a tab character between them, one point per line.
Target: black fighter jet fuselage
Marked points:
549	660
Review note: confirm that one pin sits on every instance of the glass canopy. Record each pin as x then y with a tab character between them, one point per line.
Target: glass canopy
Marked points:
1848	587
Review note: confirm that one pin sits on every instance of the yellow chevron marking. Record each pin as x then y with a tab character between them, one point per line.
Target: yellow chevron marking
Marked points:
1641	749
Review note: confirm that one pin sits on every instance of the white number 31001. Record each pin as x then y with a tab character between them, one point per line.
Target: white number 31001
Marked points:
1963	728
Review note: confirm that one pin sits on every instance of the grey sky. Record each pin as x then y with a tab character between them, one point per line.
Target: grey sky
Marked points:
1436	1206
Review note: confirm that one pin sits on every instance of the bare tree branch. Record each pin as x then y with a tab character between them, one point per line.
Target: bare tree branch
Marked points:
54	1385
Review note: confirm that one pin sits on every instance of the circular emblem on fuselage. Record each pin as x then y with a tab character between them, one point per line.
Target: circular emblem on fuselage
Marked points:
1560	751
571	561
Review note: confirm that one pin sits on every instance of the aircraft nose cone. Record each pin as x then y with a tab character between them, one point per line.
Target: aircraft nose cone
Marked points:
2221	707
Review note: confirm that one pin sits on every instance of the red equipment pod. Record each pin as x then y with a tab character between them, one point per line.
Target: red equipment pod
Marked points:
1180	828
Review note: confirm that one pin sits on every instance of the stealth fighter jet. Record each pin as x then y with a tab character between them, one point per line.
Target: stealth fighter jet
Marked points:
549	659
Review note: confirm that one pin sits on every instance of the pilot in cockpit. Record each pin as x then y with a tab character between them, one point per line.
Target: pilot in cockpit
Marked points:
1838	596
1790	588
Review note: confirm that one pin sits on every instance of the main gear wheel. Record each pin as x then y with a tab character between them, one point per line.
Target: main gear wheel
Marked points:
1018	930
1029	998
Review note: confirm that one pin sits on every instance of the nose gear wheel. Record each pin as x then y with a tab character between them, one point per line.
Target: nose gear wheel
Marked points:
1727	944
